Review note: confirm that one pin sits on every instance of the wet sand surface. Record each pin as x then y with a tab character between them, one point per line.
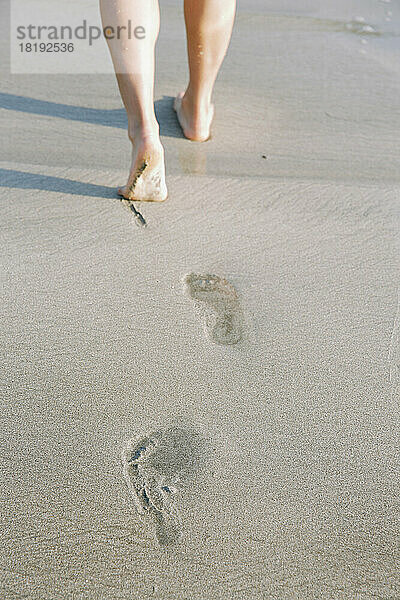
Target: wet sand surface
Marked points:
280	451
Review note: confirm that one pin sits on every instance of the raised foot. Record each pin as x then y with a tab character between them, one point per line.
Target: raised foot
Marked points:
196	128
146	182
226	324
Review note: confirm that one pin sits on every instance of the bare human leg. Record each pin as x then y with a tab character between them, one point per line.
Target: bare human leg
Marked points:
133	61
209	26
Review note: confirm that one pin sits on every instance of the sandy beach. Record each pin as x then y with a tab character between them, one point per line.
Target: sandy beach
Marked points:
279	452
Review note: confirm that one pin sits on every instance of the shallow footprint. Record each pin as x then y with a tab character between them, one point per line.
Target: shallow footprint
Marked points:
227	324
154	467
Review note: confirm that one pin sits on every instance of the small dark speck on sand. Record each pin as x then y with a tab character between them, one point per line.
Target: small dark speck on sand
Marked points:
264	156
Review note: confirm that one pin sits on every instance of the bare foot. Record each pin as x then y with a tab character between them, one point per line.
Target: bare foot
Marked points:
195	124
146	182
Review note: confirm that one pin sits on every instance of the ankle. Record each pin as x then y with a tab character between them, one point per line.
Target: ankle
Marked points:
148	133
197	103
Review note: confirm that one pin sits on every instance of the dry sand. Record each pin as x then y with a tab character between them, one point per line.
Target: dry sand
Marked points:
294	491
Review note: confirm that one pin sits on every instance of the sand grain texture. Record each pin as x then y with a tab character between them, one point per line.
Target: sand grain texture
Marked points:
298	495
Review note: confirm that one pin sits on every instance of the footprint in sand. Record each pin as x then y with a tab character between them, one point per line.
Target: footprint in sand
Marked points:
155	467
227	323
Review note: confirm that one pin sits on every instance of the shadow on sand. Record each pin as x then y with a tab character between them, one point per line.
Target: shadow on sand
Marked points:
31	181
169	126
22	180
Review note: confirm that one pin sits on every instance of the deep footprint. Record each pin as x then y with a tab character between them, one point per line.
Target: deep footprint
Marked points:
154	466
227	325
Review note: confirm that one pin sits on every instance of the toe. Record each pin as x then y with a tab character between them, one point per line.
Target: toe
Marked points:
177	102
125	193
